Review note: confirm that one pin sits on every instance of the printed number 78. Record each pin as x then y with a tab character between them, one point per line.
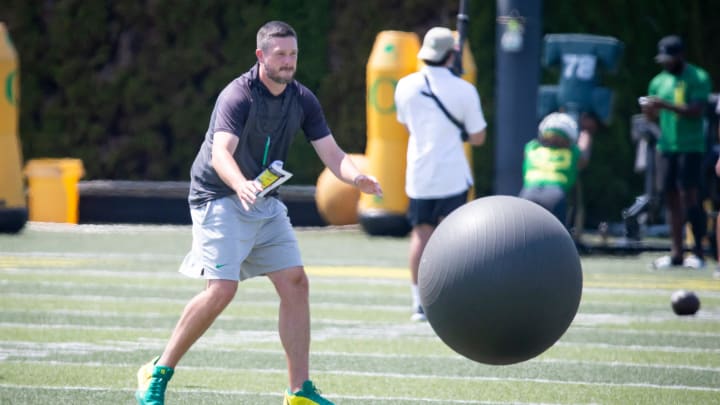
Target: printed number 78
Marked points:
581	66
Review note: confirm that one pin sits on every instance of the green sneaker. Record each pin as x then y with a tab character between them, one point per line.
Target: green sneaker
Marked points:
308	395
152	382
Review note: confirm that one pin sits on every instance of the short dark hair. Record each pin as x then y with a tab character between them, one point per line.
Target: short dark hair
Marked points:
442	60
273	29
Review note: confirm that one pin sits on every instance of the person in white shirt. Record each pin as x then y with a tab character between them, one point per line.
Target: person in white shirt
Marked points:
440	110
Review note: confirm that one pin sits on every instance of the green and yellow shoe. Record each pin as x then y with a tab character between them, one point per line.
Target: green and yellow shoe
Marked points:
152	382
308	395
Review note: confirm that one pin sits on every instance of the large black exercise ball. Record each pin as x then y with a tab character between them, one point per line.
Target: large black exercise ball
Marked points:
500	280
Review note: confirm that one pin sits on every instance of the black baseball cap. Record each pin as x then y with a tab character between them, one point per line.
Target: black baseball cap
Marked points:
669	47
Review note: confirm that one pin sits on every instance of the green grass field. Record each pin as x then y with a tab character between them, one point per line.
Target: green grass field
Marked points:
81	307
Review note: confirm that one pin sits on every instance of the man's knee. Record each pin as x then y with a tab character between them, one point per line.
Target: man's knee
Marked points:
291	281
296	277
222	291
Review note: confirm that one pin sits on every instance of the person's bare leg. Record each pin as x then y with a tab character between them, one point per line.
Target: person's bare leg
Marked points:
419	237
294	322
196	318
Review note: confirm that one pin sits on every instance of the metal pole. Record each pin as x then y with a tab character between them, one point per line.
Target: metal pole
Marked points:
517	80
462	26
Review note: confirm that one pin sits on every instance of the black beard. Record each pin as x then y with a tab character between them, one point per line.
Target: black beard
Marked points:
278	79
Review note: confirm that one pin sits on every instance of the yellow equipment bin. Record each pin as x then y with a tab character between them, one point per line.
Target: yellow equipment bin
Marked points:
13	210
53	189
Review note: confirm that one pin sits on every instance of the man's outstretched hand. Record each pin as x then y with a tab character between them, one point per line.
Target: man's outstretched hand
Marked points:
368	185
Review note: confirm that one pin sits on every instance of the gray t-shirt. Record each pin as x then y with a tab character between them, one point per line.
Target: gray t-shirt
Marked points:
266	125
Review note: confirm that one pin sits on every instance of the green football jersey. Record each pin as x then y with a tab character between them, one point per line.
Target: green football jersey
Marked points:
681	134
546	166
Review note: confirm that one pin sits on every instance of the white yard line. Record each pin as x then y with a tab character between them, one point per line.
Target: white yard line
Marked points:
44	349
276	395
405	376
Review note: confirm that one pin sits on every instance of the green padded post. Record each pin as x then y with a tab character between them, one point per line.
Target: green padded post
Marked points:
581	57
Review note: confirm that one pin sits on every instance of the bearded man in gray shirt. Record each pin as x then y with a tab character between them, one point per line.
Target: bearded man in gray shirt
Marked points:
238	234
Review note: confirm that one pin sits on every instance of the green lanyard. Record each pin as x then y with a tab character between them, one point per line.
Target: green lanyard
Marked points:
267	148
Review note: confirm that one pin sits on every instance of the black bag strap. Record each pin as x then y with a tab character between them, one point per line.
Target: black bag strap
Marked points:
429	93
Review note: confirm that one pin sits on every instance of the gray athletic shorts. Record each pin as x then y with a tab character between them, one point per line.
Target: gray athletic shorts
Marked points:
230	243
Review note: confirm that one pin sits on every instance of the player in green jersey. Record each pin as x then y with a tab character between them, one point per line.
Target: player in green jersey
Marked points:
552	161
676	100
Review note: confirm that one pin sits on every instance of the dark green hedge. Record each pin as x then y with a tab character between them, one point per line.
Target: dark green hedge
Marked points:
128	86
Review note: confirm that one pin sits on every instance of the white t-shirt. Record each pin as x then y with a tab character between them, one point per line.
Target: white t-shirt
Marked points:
436	162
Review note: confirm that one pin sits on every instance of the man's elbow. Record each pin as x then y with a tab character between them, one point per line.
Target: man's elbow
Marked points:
477	138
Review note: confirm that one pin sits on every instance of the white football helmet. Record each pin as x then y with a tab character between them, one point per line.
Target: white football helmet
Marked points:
560	122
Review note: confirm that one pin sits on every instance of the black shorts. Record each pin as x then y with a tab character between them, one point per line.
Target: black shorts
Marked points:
680	170
432	211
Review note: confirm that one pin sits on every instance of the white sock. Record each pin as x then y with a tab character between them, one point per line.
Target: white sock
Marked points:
415	295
